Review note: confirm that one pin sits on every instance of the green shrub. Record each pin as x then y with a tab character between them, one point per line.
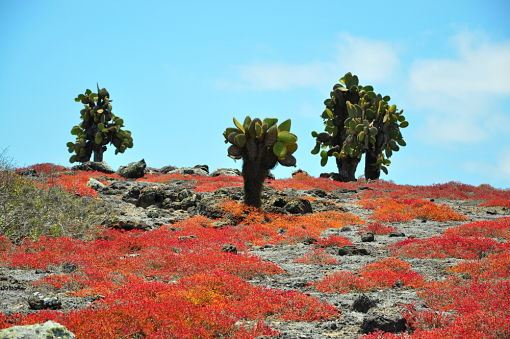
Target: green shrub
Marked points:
27	210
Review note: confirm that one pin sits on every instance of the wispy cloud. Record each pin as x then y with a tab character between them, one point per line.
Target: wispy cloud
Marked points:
498	168
461	95
372	60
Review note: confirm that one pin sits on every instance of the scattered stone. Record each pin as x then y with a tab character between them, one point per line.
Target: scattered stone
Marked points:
10	283
385	323
346	229
229	172
95	184
298	206
367	237
202	167
93	166
166	169
37	301
309	241
300	171
352	250
29	172
363	188
47	330
229	248
69	267
396	234
317	193
127	223
190	171
133	170
363	304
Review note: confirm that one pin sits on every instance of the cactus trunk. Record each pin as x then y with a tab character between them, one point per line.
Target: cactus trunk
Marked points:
372	169
98	156
254	174
347	169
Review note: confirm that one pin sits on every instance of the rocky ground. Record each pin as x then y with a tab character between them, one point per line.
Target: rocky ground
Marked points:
146	205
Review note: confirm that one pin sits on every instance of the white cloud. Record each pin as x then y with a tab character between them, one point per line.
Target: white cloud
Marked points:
499	169
372	60
463	92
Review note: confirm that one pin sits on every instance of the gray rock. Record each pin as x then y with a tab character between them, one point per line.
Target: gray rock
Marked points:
367	237
190	171
229	248
285	204
95	184
351	250
202	167
38	301
396	234
363	304
133	170
231	172
298	206
47	330
298	171
127	223
386	323
93	166
168	168
29	172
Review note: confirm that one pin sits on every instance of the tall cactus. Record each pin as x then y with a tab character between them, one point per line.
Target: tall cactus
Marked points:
99	127
261	144
359	121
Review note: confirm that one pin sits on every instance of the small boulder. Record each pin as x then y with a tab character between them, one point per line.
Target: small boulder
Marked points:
298	206
133	170
367	237
38	301
95	184
202	167
47	330
229	172
93	166
351	250
229	248
382	322
166	169
363	304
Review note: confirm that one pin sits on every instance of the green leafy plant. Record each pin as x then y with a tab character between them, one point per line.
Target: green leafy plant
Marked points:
99	127
261	144
359	121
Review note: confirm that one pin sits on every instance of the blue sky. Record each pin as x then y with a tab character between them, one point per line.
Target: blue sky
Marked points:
179	71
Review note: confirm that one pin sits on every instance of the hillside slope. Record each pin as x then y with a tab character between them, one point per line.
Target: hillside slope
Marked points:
178	255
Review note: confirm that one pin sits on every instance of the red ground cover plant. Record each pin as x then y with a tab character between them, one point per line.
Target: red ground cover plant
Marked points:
489	195
393	210
210	184
204	305
163	178
333	241
381	274
446	246
317	256
163	254
497	228
503	202
494	266
377	228
44	168
303	181
259	228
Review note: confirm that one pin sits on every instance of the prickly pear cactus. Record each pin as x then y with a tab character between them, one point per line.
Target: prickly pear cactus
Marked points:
261	144
99	127
359	121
